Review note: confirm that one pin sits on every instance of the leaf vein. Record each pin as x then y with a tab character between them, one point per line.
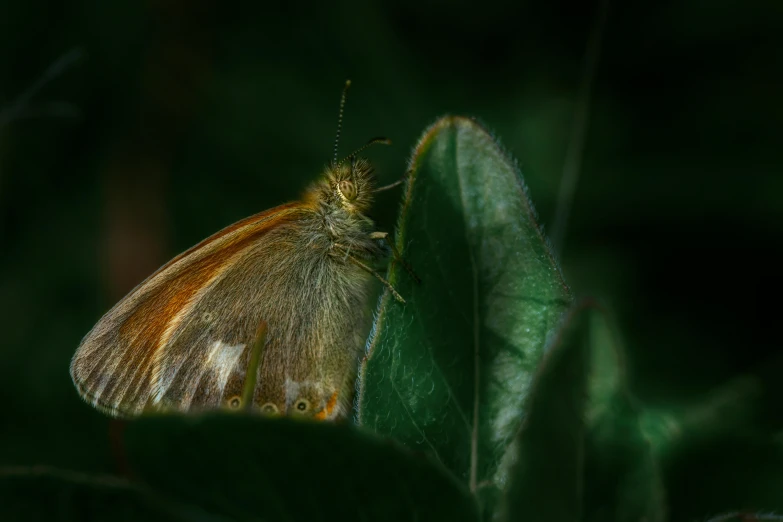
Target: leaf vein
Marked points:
452	395
413	420
476	323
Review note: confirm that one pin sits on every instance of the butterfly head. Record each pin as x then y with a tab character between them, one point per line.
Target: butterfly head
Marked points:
347	185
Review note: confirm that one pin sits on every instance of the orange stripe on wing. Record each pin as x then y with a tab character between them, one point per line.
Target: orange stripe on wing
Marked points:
270	219
146	326
327	411
170	297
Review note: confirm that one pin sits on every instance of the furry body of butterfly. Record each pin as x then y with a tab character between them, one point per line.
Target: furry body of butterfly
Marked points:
181	340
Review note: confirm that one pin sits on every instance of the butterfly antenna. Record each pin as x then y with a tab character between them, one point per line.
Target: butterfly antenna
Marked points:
340	117
374	141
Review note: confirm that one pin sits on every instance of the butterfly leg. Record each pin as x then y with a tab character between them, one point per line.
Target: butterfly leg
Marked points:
378	276
395	253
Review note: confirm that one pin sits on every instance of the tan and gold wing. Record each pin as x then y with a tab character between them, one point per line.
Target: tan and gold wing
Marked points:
181	339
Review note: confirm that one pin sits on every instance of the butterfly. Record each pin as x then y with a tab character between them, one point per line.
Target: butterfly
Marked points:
182	339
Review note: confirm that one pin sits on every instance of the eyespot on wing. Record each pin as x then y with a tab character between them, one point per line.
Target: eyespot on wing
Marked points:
116	365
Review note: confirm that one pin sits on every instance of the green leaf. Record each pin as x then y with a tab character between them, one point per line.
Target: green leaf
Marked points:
581	452
448	372
39	493
254	468
724	450
623	479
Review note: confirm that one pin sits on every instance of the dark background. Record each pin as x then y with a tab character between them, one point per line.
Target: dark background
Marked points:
181	117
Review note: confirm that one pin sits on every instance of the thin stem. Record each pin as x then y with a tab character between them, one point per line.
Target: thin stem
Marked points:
573	161
251	377
51	72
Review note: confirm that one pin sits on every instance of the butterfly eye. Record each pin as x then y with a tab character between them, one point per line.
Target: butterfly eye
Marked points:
302	406
347	189
234	402
269	408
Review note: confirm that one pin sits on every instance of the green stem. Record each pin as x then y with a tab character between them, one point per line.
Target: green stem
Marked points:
251	377
576	144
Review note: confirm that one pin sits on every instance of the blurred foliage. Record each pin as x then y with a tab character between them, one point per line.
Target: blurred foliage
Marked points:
581	451
250	468
67	495
181	118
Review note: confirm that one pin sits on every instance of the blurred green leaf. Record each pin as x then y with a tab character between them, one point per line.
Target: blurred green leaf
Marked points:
252	468
728	442
581	452
449	371
40	493
622	475
723	472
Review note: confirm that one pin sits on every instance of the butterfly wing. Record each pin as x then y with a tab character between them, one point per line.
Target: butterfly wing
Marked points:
181	339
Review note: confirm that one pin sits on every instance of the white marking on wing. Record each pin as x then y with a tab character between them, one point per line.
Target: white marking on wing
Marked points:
187	397
164	380
291	391
96	393
163	376
221	360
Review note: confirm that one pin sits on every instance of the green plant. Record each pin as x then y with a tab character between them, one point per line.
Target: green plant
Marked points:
491	395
